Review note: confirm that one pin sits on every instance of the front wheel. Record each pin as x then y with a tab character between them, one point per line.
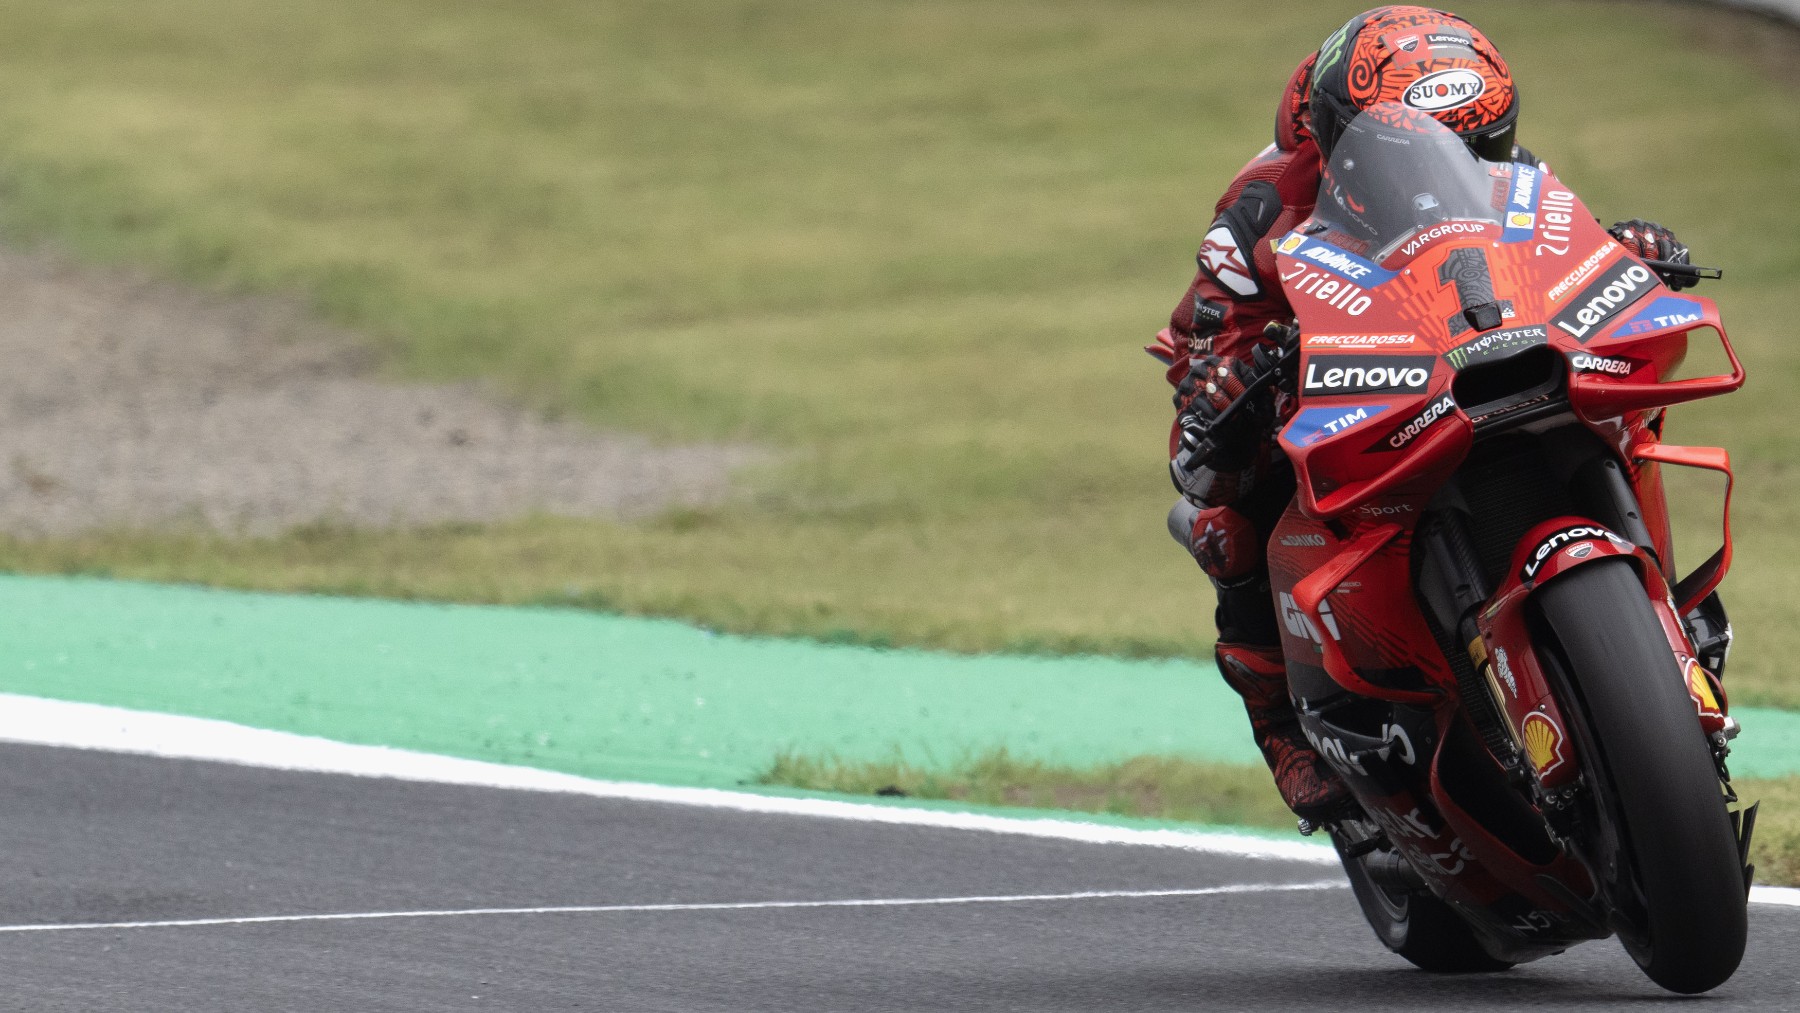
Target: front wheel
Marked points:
1676	873
1416	925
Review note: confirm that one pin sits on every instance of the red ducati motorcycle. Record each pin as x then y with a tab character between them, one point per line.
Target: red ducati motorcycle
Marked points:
1484	631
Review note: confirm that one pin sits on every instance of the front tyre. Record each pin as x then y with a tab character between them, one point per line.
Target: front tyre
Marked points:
1679	876
1416	925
